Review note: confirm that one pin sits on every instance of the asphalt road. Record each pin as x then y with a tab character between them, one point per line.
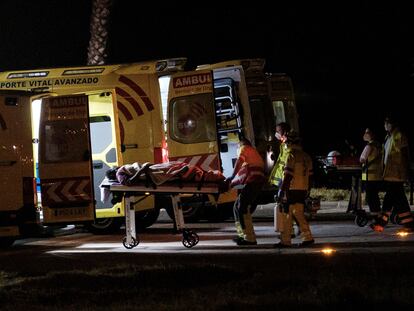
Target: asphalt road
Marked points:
215	239
358	255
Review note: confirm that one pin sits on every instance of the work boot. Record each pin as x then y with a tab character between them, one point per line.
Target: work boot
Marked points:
376	227
237	239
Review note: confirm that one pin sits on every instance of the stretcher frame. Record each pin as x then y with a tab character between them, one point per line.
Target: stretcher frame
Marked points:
355	198
175	191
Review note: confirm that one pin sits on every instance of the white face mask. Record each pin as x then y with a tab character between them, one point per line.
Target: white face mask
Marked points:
278	136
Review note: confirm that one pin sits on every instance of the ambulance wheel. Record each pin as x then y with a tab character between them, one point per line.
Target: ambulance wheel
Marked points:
135	242
105	225
190	238
361	220
6	242
146	218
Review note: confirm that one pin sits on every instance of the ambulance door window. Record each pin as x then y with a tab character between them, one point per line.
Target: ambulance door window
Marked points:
229	122
60	137
192	119
102	154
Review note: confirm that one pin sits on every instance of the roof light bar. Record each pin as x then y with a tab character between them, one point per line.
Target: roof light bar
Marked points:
71	72
33	74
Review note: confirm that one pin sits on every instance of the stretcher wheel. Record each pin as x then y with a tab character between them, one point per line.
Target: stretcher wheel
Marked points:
361	220
190	238
135	242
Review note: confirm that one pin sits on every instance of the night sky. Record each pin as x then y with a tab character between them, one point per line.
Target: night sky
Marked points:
350	64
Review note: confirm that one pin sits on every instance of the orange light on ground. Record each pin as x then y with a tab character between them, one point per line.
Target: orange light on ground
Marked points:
328	251
402	234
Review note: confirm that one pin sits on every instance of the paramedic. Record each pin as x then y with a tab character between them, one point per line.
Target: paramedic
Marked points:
396	161
371	161
275	178
294	189
248	178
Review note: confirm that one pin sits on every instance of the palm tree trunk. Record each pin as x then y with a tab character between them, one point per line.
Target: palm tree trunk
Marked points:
99	28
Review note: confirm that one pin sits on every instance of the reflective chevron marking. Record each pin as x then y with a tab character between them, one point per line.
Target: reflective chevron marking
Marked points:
66	190
204	161
82	187
51	193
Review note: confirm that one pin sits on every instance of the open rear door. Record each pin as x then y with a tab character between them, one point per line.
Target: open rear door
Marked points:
65	162
192	133
17	191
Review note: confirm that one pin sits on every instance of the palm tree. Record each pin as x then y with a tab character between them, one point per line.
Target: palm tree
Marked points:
99	31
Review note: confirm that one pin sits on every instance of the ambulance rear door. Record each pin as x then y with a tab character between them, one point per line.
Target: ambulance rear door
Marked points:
17	195
192	132
65	161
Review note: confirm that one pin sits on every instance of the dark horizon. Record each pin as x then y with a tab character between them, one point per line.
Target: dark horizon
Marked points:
352	62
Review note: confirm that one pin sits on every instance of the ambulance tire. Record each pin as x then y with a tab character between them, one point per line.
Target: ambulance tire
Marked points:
146	218
6	242
106	225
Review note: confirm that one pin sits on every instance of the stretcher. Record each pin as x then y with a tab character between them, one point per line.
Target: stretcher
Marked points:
355	198
136	193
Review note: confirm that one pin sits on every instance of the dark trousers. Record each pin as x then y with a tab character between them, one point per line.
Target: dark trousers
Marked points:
372	188
246	202
395	201
395	198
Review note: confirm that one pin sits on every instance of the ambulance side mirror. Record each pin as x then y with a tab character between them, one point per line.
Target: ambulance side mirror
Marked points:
224	148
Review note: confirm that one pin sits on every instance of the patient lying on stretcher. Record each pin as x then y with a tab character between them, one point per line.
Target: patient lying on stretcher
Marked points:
158	174
135	173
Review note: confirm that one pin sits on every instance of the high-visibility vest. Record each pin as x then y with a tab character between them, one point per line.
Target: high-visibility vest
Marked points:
276	175
252	169
299	165
396	164
372	169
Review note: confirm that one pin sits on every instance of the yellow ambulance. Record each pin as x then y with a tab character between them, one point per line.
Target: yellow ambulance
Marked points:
66	127
247	101
208	110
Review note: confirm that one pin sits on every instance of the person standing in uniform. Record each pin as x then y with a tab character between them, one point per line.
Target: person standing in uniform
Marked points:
293	190
248	177
275	178
276	175
371	161
395	174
